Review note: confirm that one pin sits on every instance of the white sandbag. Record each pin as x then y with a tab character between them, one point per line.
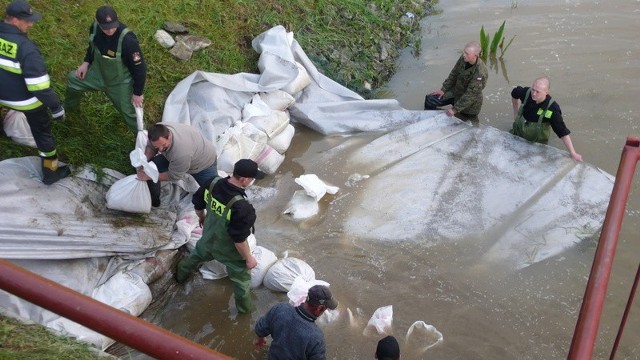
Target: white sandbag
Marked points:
272	124
124	291
16	127
277	99
422	336
141	140
282	274
282	141
301	206
268	160
380	322
252	241
256	108
213	270
249	130
234	146
140	120
315	187
300	82
129	194
265	258
138	158
300	289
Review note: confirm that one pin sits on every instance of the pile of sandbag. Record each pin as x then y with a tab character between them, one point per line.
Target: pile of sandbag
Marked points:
288	274
263	135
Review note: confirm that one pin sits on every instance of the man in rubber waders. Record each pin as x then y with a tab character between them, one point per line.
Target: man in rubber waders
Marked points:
227	219
113	64
463	87
536	113
25	85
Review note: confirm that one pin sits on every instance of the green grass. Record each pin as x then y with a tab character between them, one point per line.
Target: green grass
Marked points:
341	37
20	341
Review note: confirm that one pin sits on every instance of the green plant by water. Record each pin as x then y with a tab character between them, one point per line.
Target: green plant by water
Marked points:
491	48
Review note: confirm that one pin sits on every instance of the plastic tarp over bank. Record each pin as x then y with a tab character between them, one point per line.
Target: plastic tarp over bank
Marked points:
527	201
66	233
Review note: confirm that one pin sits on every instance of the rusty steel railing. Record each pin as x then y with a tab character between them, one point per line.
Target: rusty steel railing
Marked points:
584	336
118	325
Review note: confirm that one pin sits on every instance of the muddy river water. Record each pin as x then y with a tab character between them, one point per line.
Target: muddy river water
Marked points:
591	53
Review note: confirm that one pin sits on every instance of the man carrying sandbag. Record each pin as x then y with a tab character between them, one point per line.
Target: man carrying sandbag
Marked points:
227	224
178	149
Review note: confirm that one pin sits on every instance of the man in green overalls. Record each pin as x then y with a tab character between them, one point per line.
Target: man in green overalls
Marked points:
228	222
114	64
536	113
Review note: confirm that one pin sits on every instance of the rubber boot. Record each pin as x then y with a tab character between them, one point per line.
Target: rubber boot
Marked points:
154	190
52	172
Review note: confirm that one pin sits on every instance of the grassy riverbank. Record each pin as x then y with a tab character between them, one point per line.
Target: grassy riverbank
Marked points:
350	41
353	42
19	341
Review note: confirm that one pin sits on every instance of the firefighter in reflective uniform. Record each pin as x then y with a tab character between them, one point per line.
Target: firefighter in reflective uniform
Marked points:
228	222
536	113
113	63
26	86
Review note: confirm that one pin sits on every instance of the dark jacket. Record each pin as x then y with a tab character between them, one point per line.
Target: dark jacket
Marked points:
243	215
465	85
131	54
25	83
294	332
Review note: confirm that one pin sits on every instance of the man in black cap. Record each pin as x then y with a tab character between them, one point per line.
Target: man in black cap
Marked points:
26	85
293	329
388	349
113	64
227	223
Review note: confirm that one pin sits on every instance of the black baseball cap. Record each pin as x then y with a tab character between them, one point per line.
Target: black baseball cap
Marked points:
22	10
321	295
107	18
247	168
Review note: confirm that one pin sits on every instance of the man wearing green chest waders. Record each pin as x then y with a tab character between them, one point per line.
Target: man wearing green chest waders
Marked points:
227	219
113	64
536	113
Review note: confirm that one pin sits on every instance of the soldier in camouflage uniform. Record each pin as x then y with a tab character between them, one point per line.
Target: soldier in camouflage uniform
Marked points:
463	87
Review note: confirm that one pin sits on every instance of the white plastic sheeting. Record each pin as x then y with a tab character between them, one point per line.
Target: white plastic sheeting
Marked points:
66	233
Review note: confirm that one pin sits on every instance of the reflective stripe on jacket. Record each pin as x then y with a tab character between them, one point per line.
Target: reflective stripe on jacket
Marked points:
26	85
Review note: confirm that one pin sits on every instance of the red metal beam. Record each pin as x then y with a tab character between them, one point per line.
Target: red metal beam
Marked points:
118	325
627	310
586	330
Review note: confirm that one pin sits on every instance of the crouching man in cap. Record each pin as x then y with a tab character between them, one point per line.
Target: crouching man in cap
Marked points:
26	85
293	329
227	222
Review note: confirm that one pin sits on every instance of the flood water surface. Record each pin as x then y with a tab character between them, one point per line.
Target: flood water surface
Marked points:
590	52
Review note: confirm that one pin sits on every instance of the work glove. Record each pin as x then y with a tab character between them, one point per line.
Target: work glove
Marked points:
58	113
